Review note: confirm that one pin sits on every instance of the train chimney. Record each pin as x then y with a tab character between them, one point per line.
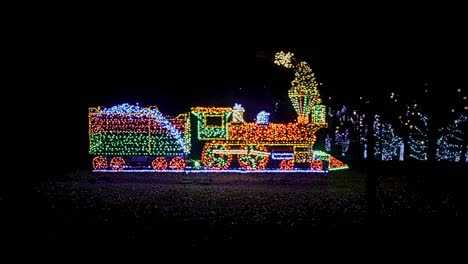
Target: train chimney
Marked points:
238	114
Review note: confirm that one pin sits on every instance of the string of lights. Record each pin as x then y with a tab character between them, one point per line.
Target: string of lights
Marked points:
129	130
212	122
450	142
304	94
387	141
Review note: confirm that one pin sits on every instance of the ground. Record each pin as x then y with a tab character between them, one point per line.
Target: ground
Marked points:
241	210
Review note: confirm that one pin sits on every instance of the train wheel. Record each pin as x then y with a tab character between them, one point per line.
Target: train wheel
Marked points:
287	164
214	158
177	163
117	163
159	164
256	158
99	163
316	165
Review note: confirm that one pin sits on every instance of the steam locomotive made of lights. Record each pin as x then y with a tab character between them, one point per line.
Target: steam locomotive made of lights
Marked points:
130	137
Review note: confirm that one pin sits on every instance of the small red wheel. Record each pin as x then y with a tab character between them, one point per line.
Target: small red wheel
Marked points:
316	165
99	163
177	163
286	164
159	164
117	163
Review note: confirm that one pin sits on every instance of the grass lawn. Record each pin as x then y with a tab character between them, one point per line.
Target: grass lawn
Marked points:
234	209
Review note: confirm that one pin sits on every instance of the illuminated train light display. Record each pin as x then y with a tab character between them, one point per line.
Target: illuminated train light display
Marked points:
133	138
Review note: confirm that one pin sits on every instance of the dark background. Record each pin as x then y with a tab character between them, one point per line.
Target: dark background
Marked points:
80	61
70	58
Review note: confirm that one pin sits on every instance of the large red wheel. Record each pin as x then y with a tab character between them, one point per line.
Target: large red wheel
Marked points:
256	158
117	163
287	164
214	158
99	163
159	164
316	165
177	163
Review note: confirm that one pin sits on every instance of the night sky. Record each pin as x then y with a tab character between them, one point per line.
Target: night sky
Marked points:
109	71
180	68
